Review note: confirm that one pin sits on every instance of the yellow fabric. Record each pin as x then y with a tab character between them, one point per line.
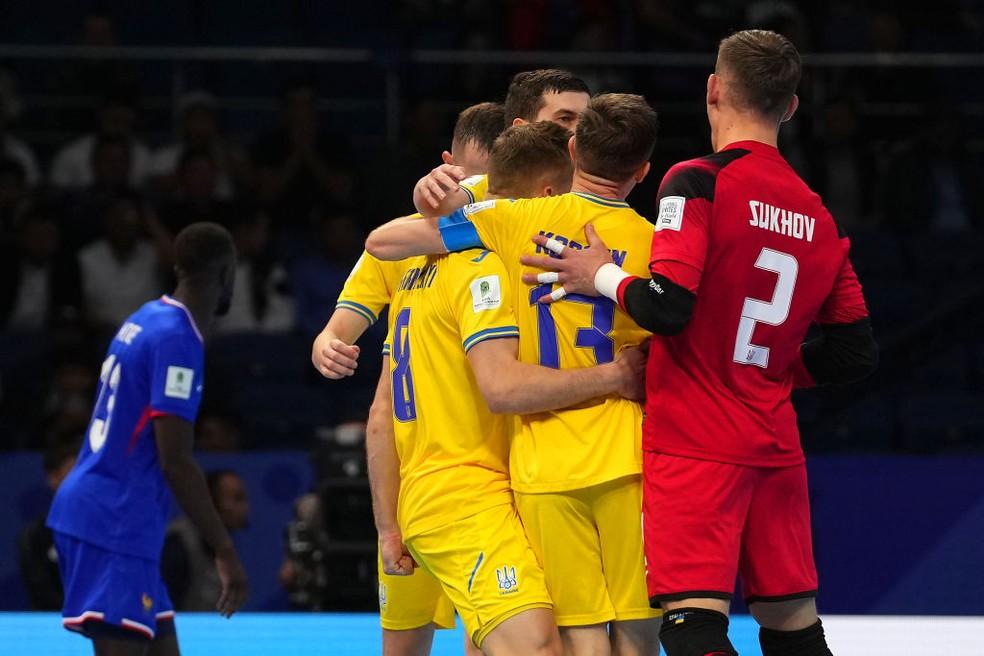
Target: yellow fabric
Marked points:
590	544
477	187
453	451
600	440
410	602
486	567
370	286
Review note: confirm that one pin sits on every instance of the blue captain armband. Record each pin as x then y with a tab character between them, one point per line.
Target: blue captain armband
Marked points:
458	232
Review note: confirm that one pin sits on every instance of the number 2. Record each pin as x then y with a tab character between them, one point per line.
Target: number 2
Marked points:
773	312
404	406
595	337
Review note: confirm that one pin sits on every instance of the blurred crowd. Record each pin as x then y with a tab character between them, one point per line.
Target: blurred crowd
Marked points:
86	222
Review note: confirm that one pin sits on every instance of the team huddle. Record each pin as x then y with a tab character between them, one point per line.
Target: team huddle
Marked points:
582	432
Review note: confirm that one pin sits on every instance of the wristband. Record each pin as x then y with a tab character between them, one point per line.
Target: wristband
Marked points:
607	279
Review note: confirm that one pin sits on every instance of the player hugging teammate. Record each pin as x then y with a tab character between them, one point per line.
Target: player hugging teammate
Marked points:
740	260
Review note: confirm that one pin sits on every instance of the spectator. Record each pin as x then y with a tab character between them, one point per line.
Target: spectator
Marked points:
317	279
74	166
38	558
121	271
843	169
196	196
261	301
198	129
187	562
10	146
933	181
217	432
13	194
68	406
87	208
300	165
38	285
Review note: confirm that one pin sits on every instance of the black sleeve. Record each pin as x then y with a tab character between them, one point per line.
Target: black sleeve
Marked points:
659	305
842	354
174	569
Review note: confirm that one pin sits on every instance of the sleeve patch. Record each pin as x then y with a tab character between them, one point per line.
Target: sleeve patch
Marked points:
486	293
474	208
179	382
670	215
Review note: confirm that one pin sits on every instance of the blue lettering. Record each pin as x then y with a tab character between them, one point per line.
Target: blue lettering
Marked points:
619	257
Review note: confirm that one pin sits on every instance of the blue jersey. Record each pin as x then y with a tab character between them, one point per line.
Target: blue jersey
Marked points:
116	496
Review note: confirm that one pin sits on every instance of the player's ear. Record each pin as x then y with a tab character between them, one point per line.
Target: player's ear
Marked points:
642	172
519	121
794	104
447	158
713	89
572	149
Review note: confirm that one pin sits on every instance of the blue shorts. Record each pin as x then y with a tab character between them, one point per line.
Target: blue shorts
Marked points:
112	595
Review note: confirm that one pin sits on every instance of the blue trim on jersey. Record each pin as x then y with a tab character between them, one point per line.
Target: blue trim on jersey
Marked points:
358	308
458	232
471	578
490	333
481	257
600	200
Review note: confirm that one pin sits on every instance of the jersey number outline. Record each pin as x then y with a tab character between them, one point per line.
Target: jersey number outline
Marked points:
404	406
773	312
109	378
596	338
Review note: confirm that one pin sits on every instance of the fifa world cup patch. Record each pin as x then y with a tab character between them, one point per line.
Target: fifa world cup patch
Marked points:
179	382
486	293
670	215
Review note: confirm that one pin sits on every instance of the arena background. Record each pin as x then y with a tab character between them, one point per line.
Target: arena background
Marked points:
888	132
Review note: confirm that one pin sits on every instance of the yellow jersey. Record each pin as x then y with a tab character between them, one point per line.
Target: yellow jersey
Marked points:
453	451
600	440
476	186
371	283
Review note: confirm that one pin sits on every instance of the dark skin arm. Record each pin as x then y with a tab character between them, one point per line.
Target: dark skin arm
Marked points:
175	438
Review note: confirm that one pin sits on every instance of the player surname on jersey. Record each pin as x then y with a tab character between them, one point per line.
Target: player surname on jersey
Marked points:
782	221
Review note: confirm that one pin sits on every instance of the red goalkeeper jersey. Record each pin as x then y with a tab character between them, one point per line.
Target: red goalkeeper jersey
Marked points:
765	259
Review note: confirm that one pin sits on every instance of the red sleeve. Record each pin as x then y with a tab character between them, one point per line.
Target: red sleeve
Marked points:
845	303
682	224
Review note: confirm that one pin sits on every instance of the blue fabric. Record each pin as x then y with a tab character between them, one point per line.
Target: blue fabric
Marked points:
102	587
116	496
458	233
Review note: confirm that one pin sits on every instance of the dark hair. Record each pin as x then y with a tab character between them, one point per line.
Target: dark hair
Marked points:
525	96
202	248
523	154
764	70
479	124
615	135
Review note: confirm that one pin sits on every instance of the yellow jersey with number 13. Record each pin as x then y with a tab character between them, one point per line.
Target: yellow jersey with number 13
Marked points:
600	440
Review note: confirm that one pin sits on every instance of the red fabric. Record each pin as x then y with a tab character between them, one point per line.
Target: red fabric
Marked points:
145	416
707	397
621	290
707	521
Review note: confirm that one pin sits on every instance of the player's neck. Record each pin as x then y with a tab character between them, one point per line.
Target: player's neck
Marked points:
200	304
734	128
586	183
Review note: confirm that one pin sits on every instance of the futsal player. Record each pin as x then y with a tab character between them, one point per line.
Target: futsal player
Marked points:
452	348
530	161
745	258
576	472
547	94
109	514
